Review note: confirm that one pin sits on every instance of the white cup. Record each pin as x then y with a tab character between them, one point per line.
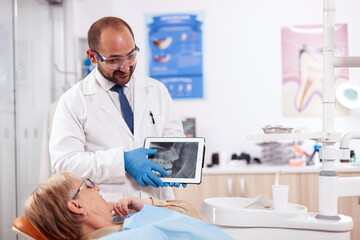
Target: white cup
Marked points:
280	196
223	159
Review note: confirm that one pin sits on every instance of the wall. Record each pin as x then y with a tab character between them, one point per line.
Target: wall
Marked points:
242	61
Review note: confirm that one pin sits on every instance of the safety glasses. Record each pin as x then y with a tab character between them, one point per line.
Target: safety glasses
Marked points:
118	62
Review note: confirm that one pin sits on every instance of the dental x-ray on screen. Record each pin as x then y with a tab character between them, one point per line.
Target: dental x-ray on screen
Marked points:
182	158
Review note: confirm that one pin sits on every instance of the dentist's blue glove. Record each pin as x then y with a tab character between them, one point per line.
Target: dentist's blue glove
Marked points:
140	167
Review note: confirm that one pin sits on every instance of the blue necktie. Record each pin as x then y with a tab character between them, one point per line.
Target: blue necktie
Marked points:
125	107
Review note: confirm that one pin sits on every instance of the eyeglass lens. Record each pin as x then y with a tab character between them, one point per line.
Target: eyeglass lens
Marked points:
89	183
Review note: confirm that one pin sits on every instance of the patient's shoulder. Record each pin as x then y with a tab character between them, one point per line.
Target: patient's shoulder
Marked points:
181	206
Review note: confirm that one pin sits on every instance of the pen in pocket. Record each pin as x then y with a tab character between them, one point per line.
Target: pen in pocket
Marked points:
152	117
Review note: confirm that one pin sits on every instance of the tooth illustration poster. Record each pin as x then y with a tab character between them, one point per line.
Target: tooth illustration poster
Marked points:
175	53
302	83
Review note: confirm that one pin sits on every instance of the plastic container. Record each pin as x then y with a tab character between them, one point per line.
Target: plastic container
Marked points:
87	67
315	156
352	156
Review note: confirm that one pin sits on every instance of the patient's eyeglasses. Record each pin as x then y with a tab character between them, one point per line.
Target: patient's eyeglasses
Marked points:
88	183
119	62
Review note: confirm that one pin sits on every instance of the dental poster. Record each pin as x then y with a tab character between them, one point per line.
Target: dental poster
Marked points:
302	83
175	53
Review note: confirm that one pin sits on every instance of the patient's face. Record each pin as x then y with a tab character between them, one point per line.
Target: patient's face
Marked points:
94	203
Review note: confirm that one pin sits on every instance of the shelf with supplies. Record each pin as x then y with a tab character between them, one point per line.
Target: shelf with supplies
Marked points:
317	136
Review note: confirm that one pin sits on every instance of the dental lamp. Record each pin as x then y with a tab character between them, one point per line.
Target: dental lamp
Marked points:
348	95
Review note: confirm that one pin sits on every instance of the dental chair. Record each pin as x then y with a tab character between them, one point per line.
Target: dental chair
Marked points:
26	230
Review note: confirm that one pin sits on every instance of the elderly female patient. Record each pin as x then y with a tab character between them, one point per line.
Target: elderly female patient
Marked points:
65	207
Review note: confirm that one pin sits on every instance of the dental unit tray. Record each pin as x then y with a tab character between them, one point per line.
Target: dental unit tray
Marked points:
268	129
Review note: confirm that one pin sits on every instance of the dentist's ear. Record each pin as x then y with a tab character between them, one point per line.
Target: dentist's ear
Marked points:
75	207
91	56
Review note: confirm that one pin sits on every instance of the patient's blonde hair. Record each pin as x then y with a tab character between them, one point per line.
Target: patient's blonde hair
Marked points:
46	208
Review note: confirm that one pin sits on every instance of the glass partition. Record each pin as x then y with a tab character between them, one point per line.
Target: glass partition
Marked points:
33	74
26	71
7	123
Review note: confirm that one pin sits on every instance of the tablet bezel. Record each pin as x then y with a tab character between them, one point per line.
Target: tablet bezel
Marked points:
199	159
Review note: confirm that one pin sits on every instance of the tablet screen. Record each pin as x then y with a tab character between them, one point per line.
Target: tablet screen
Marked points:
182	158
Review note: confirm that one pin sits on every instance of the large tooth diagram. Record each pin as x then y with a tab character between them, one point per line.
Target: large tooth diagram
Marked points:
310	67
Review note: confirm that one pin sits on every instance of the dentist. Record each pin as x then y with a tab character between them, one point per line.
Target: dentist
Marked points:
101	122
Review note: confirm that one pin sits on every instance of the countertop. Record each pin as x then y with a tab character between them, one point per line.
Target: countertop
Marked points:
264	169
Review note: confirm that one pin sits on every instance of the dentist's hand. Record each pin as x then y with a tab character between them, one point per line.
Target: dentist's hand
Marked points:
140	168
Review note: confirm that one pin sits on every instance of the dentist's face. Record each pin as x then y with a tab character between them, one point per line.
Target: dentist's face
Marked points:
115	44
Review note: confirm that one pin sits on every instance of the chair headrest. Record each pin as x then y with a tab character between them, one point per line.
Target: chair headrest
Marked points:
22	224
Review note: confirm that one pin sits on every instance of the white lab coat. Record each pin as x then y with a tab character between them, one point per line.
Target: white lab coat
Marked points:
45	166
89	135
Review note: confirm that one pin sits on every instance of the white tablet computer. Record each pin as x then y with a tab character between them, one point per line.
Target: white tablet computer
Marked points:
182	158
